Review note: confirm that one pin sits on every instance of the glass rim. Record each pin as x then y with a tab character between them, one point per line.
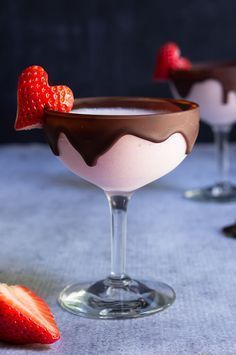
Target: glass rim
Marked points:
208	66
135	102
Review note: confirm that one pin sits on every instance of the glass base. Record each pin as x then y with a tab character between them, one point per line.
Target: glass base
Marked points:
117	298
230	231
217	192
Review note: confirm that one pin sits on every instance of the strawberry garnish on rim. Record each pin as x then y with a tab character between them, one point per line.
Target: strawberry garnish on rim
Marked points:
184	64
34	95
25	318
168	59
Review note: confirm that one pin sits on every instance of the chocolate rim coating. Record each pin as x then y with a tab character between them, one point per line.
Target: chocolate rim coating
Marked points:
92	135
222	71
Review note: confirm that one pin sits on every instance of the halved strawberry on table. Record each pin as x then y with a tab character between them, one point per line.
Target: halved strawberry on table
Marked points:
34	94
168	59
25	318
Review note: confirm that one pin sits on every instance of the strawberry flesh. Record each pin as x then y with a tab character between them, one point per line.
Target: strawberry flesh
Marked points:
169	59
25	318
184	64
34	95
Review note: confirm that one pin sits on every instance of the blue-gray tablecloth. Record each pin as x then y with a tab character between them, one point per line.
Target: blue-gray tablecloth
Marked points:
54	230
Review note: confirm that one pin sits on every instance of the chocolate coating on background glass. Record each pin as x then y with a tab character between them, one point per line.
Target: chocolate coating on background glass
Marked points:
223	72
92	135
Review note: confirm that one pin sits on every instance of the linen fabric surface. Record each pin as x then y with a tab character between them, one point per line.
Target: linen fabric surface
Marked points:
54	231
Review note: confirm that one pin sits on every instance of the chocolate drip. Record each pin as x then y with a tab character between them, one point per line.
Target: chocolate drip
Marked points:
224	73
93	135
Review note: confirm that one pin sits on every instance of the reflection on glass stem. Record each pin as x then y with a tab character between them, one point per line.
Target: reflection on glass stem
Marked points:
221	134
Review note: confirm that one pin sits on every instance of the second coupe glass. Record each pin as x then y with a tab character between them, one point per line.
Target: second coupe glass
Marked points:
213	87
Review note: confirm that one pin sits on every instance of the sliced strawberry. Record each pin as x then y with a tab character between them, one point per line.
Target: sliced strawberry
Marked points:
168	59
184	64
60	98
25	318
34	95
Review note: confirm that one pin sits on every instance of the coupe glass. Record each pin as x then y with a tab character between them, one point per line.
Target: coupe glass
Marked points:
213	87
121	153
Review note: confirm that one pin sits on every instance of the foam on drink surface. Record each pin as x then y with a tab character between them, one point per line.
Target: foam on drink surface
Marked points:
116	111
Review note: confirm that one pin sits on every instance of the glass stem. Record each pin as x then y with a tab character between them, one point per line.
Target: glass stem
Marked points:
221	134
118	208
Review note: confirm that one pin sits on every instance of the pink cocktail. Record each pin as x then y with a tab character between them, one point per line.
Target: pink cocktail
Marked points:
213	87
121	144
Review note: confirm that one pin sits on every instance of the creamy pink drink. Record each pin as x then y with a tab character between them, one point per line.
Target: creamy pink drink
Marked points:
131	162
138	143
121	144
212	86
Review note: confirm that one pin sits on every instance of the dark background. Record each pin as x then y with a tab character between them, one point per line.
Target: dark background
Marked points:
106	47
